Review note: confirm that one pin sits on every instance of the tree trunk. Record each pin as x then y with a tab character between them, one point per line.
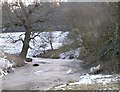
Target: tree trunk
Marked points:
25	44
119	31
51	45
119	26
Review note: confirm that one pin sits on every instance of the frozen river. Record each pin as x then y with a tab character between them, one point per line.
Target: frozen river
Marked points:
49	73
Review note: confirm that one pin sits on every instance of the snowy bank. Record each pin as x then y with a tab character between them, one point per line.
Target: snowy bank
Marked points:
5	66
70	54
92	80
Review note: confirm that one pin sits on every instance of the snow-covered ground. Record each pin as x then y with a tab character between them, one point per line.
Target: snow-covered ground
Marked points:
70	54
38	45
90	79
49	71
7	46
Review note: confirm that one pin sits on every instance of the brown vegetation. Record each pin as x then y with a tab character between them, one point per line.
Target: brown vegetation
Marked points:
17	59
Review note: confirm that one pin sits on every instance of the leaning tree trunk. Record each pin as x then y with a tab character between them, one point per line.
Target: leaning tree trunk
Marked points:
25	44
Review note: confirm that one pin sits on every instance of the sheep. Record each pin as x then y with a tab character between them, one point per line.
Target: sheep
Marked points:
94	70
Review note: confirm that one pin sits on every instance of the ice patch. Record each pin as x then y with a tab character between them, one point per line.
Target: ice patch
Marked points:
38	72
60	86
68	72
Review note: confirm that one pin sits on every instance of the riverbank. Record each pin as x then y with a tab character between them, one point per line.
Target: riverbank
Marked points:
93	82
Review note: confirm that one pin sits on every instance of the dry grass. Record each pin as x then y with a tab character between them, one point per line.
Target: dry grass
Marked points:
55	53
96	86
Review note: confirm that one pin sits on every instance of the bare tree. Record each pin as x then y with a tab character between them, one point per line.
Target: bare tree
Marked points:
30	18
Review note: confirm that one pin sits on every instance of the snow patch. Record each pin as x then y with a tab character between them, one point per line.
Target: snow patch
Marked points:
70	54
38	72
5	65
61	86
90	79
68	72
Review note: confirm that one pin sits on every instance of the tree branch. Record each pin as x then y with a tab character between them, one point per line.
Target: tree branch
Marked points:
14	41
